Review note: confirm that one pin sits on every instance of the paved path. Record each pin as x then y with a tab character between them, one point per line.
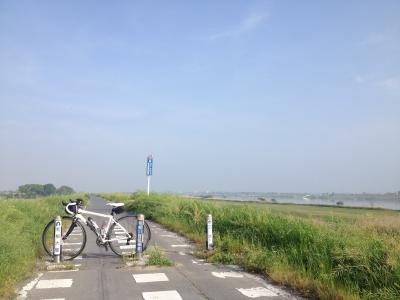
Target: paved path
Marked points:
103	275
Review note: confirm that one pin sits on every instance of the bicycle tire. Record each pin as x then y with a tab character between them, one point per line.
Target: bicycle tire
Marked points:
128	247
72	246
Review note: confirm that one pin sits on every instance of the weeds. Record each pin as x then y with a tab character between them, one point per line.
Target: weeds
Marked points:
157	258
324	252
22	223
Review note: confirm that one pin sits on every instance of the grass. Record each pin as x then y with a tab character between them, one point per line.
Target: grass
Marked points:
22	223
157	258
323	252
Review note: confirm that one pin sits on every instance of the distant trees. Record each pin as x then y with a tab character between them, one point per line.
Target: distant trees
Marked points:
34	190
65	190
49	189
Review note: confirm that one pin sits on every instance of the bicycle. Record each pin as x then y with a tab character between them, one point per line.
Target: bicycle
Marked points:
119	235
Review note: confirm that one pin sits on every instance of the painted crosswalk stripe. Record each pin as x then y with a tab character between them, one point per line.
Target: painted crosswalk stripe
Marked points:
54	283
227	274
121	237
257	292
70	244
183	245
127	247
150	277
78	257
124	242
162	295
24	292
75	234
169	235
64	271
127	253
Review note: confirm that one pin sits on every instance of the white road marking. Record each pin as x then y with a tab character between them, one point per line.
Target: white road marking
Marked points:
150	277
183	245
24	292
227	274
124	242
169	235
69	244
257	292
75	234
121	237
128	247
55	299
78	257
54	283
162	295
64	271
127	253
181	253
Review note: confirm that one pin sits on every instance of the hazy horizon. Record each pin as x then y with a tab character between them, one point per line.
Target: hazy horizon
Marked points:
228	96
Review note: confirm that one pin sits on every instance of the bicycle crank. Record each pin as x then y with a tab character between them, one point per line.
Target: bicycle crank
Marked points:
100	243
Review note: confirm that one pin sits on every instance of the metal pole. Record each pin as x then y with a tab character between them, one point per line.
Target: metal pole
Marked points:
139	236
57	239
209	242
148	185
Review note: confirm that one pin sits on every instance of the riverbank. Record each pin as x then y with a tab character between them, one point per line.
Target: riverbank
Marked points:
323	252
22	222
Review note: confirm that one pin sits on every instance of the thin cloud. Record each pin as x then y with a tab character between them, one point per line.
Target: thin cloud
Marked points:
248	24
391	83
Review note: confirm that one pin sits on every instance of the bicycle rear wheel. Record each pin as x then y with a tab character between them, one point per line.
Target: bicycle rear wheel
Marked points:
72	245
123	244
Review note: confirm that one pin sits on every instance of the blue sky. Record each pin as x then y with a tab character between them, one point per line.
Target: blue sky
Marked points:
229	95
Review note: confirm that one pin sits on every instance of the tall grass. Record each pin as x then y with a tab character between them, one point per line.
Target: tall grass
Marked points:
331	256
22	223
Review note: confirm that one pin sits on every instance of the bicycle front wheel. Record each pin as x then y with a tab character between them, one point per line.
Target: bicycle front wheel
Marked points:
73	238
123	244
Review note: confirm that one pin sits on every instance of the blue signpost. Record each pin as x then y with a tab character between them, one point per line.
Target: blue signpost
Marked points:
149	171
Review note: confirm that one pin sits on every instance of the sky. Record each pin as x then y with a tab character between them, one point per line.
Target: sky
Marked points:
283	96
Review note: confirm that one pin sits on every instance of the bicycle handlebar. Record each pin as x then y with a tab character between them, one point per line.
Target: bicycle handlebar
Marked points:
78	203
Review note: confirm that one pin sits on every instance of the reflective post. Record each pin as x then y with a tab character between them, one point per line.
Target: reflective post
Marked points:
57	239
139	235
209	242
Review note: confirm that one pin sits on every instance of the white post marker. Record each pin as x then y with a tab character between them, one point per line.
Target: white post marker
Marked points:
209	243
57	239
149	171
139	235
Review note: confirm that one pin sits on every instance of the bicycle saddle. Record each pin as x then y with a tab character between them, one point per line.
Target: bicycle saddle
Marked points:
115	204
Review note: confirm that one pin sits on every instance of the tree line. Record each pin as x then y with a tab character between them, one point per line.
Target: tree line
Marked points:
34	190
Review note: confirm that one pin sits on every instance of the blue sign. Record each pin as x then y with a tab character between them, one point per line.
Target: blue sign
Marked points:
139	236
149	168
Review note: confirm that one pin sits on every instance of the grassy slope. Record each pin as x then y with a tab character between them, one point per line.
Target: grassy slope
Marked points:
22	223
324	252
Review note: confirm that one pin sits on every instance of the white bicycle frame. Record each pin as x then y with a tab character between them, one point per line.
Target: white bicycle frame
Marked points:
110	218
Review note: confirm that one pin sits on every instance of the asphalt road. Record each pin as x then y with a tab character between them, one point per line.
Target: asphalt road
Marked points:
103	275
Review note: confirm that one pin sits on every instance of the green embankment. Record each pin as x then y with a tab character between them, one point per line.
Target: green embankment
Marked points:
323	252
22	223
